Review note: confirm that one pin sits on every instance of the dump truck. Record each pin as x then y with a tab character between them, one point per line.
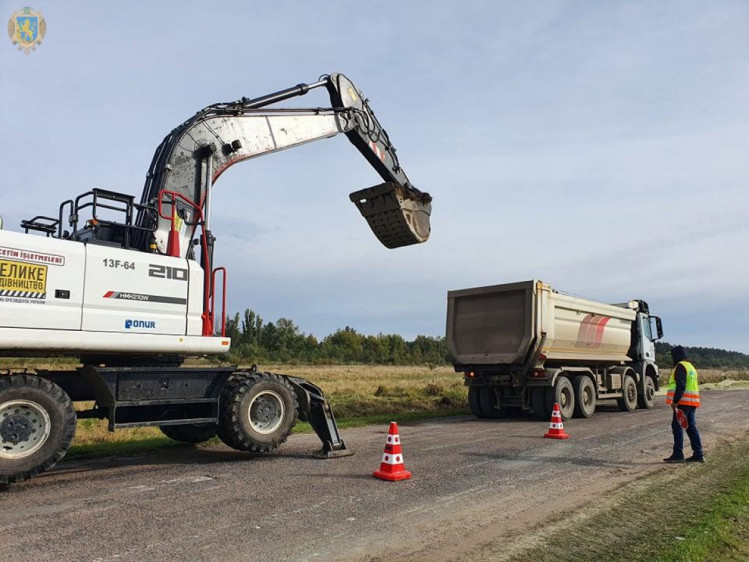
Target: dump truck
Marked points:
129	289
524	346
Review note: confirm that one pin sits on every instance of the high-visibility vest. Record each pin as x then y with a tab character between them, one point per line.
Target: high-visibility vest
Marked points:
691	396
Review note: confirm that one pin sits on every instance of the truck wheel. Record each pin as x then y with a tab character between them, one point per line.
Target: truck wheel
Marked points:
488	403
257	412
474	392
540	399
628	402
585	396
37	424
646	400
564	395
189	433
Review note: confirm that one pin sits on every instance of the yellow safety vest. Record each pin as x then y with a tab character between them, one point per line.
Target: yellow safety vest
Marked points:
691	396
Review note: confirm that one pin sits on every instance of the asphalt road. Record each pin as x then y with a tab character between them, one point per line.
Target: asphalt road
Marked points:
475	482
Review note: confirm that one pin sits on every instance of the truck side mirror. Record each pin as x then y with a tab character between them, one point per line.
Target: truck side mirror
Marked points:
658	327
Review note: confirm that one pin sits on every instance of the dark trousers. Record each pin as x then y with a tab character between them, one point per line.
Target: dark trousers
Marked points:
692	433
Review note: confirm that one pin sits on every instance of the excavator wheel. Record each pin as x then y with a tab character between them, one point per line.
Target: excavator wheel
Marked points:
258	411
190	433
37	425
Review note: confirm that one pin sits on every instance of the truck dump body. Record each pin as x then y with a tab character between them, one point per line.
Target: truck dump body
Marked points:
503	325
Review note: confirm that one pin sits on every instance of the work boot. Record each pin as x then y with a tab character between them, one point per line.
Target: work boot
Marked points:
695	458
674	458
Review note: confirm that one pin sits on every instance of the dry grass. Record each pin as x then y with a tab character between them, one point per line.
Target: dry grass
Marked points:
371	390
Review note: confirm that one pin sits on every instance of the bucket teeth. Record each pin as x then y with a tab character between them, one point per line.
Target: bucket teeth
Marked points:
397	215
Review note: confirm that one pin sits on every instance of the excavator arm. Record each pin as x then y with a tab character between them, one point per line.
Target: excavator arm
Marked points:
193	156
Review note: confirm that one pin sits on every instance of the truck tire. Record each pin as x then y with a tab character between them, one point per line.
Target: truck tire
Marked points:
628	402
540	400
564	395
37	425
474	393
646	399
258	411
585	396
189	433
488	403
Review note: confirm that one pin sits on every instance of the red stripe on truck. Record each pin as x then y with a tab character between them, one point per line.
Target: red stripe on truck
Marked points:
603	320
582	331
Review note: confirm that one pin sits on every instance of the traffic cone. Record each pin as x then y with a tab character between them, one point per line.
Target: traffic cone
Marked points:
556	427
392	467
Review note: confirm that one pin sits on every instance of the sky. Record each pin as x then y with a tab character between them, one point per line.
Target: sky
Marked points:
598	146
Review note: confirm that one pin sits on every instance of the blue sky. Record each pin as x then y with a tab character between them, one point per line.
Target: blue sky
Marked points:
599	146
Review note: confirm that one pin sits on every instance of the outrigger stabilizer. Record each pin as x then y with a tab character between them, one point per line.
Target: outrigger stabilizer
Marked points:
314	408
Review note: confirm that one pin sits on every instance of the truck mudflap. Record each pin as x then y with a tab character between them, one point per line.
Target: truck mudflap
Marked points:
314	408
397	215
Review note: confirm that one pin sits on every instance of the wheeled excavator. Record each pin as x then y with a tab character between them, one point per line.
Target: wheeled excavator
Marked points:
129	288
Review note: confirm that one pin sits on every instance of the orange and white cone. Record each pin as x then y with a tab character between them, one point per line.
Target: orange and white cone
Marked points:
392	467
556	427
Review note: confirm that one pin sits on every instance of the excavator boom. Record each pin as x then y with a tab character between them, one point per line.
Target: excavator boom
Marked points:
193	156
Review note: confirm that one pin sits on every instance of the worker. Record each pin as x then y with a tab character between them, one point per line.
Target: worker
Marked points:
684	394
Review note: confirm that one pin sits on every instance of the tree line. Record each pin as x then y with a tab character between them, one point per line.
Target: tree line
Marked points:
253	339
283	341
709	357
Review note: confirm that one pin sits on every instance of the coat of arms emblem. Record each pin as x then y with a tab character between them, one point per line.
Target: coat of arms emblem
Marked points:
26	29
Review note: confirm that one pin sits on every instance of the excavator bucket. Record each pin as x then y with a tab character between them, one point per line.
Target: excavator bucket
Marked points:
397	215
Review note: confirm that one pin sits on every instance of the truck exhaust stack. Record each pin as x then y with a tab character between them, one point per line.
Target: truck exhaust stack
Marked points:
398	216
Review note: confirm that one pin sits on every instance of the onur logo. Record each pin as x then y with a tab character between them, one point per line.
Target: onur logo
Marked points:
148	324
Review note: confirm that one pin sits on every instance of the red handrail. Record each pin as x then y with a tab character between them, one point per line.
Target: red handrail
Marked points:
223	299
207	315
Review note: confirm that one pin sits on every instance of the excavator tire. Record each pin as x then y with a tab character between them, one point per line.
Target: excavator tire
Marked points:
258	411
189	433
37	425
